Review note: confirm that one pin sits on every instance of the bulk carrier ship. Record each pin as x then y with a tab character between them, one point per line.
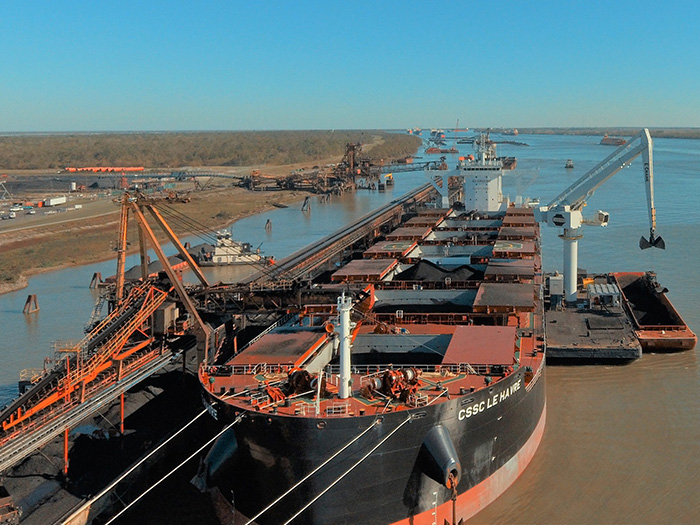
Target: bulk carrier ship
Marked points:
407	388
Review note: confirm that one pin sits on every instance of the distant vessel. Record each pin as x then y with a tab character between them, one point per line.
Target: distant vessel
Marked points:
485	151
437	137
569	164
612	141
509	163
433	150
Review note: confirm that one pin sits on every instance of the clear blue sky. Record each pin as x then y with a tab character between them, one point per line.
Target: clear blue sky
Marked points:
230	65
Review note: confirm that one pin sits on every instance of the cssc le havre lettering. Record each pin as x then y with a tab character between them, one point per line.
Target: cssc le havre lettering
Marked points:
492	401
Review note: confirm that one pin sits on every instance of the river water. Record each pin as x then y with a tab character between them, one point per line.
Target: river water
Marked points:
622	443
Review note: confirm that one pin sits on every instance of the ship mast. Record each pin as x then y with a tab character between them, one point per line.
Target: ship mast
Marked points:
344	307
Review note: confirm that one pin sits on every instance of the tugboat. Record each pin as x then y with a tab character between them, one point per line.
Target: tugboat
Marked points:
227	252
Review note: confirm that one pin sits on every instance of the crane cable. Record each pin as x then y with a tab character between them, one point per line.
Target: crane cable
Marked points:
201	231
187	223
251	520
227	427
347	471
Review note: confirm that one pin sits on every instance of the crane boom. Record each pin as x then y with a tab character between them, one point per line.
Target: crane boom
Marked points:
565	209
576	194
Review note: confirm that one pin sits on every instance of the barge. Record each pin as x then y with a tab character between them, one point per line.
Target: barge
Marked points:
612	141
659	326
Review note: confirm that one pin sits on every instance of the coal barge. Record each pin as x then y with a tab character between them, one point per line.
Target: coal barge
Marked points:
411	389
658	325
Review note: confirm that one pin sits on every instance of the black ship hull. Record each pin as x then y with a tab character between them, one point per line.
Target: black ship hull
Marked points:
394	468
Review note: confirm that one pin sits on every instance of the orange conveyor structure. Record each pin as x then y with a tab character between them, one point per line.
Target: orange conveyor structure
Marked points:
97	368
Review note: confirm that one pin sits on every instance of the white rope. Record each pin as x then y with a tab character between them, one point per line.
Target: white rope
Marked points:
311	474
174	470
134	467
329	487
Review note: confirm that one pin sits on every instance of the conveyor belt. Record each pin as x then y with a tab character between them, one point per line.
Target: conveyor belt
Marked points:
305	260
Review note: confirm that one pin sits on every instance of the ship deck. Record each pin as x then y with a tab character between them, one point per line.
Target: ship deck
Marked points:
249	384
424	331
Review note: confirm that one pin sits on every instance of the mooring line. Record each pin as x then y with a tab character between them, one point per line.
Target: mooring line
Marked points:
227	427
329	487
134	467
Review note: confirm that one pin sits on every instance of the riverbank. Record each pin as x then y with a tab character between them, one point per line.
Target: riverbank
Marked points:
13	286
54	245
51	240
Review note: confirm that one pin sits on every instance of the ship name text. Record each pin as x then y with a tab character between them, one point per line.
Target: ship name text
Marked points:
490	402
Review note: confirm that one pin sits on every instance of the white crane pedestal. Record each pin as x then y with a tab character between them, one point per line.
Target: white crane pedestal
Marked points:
570	237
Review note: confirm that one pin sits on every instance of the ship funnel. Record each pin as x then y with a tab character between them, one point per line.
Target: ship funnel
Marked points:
439	457
653	242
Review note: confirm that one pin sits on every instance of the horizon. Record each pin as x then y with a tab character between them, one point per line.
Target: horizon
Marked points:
161	66
444	128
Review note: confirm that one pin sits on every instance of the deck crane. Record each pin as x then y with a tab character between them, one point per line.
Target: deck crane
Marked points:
565	209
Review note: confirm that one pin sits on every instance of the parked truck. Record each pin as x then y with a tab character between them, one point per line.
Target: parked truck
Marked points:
54	201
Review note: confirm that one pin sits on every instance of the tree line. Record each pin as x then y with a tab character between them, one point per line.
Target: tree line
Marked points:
177	149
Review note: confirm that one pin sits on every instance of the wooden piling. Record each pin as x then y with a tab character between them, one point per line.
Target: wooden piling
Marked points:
31	305
96	280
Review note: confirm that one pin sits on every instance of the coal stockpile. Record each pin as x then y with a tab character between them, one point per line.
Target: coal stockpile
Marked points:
431	272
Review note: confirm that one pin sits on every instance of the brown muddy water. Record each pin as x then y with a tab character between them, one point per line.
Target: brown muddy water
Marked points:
621	445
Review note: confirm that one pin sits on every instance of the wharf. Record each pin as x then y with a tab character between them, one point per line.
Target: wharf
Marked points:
590	335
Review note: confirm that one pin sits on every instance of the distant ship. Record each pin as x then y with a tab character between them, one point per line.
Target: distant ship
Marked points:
433	149
612	141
